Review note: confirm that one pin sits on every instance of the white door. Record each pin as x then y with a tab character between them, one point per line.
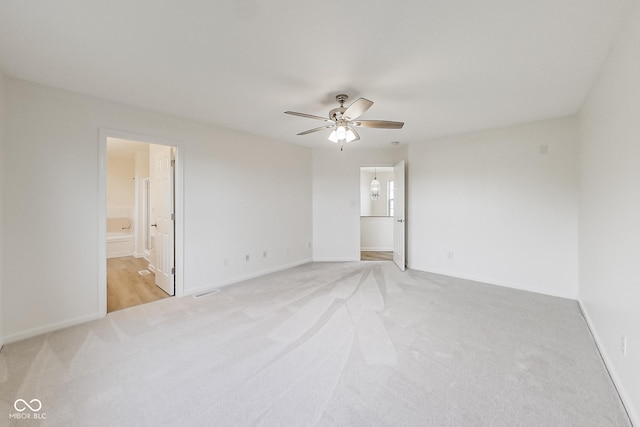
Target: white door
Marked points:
398	216
162	174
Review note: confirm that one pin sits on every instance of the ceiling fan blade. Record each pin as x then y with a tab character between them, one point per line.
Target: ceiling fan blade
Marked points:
306	132
308	116
379	124
358	108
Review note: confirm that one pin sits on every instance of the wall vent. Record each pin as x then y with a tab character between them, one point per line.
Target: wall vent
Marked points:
206	294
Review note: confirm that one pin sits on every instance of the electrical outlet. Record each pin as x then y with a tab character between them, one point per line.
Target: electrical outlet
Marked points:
226	262
246	257
450	255
623	345
264	254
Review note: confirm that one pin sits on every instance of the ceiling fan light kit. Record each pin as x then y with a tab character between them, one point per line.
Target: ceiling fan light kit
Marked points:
343	120
342	134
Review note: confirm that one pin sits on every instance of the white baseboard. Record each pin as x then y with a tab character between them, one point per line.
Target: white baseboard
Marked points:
624	395
78	320
244	277
336	259
119	254
491	281
48	328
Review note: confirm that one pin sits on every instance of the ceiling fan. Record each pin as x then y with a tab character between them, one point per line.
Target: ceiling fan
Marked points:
343	120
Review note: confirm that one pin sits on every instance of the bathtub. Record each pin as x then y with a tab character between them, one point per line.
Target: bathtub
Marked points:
119	244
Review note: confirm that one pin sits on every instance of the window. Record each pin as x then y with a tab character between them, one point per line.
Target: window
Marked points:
390	198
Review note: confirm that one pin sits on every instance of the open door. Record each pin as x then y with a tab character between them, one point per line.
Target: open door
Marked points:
398	216
162	175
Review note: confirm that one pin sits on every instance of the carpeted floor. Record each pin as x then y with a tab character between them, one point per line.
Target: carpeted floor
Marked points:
358	344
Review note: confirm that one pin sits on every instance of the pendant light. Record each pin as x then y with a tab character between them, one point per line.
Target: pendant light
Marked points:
375	186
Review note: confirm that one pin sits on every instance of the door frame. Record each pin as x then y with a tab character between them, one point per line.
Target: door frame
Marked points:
400	260
103	134
377	165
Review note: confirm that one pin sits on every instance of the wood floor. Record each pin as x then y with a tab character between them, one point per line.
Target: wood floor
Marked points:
126	288
376	256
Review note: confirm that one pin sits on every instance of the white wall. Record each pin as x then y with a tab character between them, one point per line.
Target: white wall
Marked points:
370	207
243	194
2	169
365	197
376	233
336	198
121	172
504	211
141	172
610	212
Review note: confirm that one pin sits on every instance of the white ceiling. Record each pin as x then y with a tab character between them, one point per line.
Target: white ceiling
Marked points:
443	67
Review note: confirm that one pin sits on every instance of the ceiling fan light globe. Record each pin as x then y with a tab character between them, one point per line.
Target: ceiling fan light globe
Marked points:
333	137
350	135
341	133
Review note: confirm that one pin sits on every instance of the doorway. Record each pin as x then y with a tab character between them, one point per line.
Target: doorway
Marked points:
140	220
376	213
382	214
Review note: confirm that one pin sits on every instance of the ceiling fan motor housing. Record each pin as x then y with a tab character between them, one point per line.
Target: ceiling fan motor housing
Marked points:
337	113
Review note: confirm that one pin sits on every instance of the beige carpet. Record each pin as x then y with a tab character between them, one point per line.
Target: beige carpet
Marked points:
321	344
